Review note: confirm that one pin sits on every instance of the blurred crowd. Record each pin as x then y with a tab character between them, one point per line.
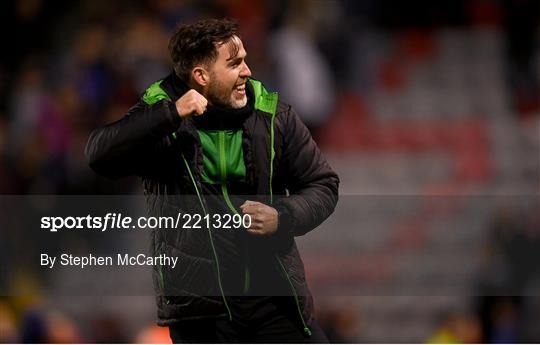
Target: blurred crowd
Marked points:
344	65
77	65
29	320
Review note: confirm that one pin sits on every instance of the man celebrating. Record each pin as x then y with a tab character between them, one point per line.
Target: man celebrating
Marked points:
209	140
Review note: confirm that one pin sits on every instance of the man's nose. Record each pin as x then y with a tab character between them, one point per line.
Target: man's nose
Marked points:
245	72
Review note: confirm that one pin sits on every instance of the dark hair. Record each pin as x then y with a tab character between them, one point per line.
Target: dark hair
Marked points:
196	43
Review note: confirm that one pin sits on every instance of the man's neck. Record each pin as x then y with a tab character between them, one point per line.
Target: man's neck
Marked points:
200	89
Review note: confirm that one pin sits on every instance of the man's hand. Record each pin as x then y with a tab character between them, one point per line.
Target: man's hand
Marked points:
264	219
191	103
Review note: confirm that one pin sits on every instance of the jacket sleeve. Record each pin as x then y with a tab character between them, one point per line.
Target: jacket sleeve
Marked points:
130	146
311	182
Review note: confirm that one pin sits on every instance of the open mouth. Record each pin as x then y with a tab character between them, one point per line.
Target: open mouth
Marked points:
241	89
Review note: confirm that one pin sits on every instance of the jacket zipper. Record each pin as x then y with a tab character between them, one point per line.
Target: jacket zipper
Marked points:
225	192
272	156
306	328
211	240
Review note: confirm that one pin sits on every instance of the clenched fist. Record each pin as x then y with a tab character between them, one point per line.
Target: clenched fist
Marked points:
264	219
191	103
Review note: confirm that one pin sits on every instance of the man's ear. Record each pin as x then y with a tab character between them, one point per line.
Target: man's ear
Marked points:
200	75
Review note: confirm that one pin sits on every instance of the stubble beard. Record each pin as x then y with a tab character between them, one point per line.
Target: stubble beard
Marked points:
219	95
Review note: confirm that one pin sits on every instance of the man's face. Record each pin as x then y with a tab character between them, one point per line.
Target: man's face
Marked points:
228	75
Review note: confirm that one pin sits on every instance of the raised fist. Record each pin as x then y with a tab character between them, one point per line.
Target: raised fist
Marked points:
191	103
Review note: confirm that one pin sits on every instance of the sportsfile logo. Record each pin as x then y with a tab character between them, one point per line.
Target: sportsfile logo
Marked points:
109	221
117	221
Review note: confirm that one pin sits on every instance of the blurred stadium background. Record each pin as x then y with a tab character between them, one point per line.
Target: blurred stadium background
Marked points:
428	110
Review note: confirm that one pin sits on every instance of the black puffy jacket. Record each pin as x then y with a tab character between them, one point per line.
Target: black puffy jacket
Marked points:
153	142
